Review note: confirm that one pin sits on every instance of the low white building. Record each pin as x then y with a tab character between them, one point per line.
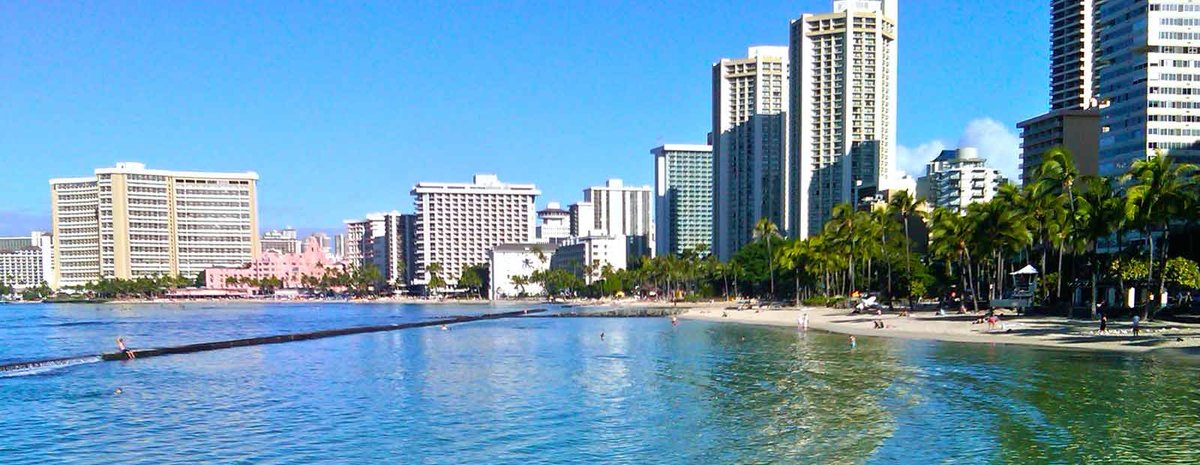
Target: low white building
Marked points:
596	251
509	261
27	261
958	178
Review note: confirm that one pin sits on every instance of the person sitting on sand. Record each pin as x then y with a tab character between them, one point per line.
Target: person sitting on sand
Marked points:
121	346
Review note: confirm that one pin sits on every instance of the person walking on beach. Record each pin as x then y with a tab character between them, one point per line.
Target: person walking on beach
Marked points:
121	346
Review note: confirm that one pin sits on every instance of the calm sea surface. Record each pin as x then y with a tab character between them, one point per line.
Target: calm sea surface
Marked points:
549	390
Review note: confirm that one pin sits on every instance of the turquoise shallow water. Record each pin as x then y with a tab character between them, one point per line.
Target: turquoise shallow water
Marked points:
549	390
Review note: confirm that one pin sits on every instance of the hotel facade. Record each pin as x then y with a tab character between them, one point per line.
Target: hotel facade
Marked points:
683	206
458	224
842	116
750	177
129	221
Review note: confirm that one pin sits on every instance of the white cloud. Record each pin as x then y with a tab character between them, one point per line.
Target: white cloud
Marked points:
912	160
999	145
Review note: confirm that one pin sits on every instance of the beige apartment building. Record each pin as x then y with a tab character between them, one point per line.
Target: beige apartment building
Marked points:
129	221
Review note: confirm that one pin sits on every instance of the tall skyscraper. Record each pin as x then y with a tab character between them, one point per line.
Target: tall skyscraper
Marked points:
683	198
1072	61
1148	57
842	116
129	221
458	224
750	140
1074	118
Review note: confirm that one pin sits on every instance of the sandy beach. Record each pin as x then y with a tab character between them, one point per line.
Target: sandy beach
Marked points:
1012	329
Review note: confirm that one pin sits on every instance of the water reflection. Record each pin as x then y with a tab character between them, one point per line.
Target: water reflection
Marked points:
548	390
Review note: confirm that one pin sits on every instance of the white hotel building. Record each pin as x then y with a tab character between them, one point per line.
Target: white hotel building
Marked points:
615	209
27	261
128	222
458	224
750	140
843	107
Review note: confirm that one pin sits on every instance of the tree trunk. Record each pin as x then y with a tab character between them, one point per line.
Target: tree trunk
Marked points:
1061	274
797	289
974	292
1150	281
1095	292
1162	275
908	263
771	266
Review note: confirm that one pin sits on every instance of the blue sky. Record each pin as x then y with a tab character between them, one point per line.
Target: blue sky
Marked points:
342	107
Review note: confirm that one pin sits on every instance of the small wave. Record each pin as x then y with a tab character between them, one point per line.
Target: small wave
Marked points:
48	366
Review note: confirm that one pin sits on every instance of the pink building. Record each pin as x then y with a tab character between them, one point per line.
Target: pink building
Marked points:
289	268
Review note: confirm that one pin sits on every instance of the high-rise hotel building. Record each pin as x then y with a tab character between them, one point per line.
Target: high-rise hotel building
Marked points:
750	140
458	224
683	206
842	116
129	221
1073	121
1148	64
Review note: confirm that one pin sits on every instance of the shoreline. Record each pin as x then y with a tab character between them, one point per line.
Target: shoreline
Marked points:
1039	331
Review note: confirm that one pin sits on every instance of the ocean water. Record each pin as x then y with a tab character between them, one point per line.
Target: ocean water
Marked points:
550	390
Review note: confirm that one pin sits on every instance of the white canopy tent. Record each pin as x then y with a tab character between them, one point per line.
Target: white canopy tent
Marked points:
1029	269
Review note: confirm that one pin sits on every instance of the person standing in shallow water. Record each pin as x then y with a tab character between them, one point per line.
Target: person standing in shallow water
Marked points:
1103	323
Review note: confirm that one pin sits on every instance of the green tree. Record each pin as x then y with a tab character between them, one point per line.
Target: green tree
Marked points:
907	207
436	281
471	279
1099	214
767	231
1157	190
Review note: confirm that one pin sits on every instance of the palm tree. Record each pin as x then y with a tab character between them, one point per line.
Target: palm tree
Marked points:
903	204
796	256
950	236
436	281
843	227
883	223
1058	172
1100	214
766	230
1157	189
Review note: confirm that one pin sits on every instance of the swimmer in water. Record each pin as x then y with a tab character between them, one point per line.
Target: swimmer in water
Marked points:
601	335
853	342
118	391
121	346
674	321
445	328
